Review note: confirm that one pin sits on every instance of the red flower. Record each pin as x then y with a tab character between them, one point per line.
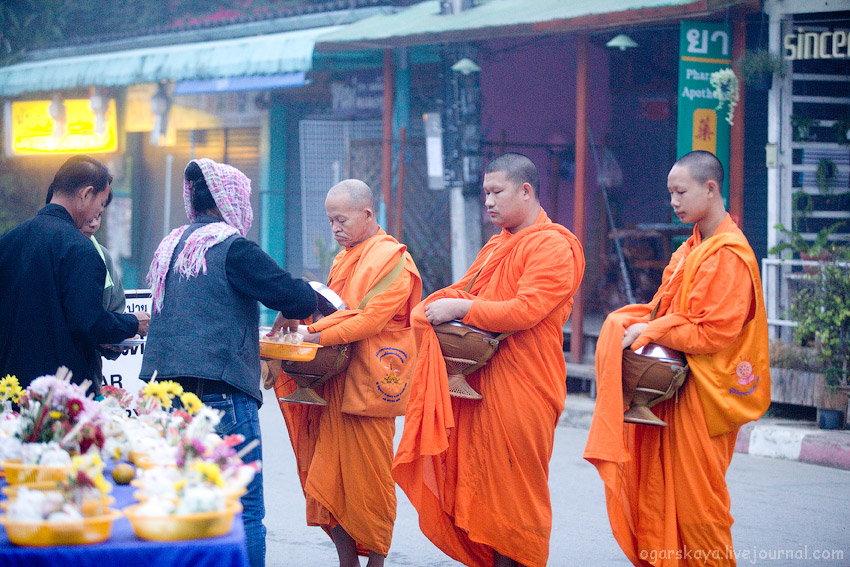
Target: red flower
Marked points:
184	415
73	408
90	435
83	480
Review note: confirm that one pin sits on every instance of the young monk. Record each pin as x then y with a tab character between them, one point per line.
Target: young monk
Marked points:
477	471
344	460
665	486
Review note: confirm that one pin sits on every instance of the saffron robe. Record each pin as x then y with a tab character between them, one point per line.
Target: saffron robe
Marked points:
665	487
344	461
477	471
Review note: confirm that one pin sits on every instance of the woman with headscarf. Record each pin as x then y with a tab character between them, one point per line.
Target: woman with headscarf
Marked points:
206	279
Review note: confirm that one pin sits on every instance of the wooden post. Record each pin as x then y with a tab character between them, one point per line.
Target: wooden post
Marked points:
736	136
577	317
387	134
398	217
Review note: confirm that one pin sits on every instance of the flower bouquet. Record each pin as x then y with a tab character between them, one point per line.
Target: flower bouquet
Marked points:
190	483
196	447
56	419
10	444
71	512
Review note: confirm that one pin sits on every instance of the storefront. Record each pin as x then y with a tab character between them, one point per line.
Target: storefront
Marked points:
586	112
148	110
808	149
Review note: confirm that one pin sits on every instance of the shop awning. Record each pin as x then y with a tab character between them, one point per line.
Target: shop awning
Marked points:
422	23
233	84
270	54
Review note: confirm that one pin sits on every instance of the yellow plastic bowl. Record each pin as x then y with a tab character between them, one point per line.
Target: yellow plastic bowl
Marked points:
285	351
94	529
133	456
188	526
18	473
235	494
145	463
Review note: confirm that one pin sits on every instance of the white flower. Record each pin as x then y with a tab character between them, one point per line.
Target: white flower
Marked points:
725	85
199	498
10	448
34	505
68	513
155	507
44	454
203	423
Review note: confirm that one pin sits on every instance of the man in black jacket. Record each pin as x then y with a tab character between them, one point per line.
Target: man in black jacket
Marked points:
51	289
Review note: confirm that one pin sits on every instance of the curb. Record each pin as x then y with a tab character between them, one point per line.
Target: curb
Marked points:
768	437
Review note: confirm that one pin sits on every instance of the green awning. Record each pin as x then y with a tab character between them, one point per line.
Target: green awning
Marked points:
270	54
422	23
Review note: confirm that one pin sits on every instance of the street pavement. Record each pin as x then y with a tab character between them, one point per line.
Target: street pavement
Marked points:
787	513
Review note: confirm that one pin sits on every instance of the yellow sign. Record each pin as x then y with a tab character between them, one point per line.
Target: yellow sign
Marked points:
705	130
35	132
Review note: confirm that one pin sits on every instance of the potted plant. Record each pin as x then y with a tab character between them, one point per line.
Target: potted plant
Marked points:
819	249
841	131
802	127
826	174
757	67
821	309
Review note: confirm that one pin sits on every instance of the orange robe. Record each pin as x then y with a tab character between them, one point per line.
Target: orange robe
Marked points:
477	471
665	487
344	461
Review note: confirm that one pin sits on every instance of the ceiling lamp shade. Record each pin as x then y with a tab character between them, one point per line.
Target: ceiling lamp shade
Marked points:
465	66
622	41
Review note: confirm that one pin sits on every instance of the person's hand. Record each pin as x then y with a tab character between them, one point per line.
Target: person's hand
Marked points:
144	322
270	368
447	309
281	322
632	332
313	338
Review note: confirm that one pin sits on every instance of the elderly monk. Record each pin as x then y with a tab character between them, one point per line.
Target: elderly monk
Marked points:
344	460
477	471
665	486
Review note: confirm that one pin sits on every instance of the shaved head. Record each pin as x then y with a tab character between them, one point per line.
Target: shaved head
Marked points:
358	192
704	166
518	168
351	212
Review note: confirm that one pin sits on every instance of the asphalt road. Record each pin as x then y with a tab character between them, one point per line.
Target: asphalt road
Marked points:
786	513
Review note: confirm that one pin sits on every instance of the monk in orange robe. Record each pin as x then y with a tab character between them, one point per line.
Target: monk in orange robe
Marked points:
477	471
665	487
344	460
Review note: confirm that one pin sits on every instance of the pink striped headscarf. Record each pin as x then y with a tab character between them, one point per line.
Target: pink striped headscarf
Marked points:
231	190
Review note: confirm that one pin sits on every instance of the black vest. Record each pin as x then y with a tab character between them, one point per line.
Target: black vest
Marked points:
206	329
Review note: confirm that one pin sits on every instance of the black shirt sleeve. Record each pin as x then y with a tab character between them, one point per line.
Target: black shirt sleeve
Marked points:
254	273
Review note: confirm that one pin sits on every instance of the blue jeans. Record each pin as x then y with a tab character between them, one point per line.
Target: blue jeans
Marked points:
241	416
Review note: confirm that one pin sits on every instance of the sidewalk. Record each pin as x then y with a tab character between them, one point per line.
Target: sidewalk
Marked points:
768	437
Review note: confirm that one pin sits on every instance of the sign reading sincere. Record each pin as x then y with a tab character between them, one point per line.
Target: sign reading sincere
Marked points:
704	47
817	44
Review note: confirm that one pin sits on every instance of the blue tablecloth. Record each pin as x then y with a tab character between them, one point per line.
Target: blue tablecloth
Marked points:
124	549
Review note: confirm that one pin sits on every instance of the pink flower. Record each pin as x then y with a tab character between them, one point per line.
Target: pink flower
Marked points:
233	440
